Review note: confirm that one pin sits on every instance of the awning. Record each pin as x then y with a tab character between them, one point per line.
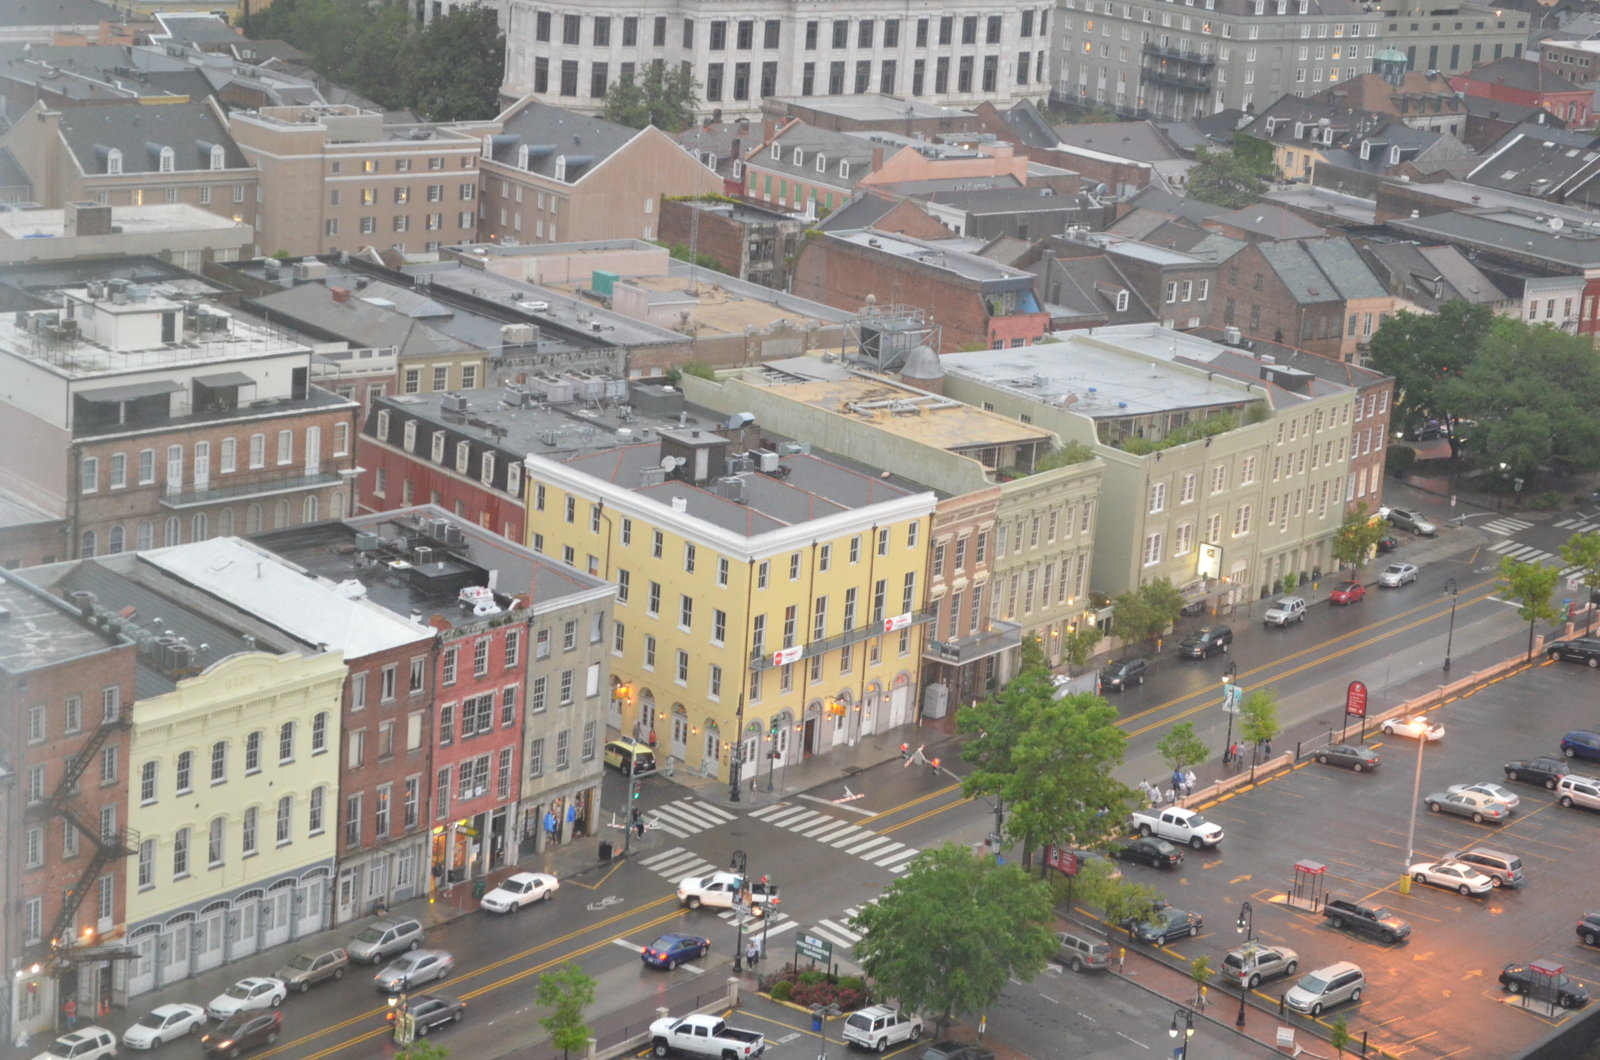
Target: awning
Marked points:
225	379
130	392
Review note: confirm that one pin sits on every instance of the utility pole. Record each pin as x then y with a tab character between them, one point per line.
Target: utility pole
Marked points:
735	759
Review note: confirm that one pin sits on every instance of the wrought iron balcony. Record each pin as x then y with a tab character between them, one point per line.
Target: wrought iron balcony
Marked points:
1003	636
762	660
1166	52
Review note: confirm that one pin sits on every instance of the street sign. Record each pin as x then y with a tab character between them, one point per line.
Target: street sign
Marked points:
1062	859
813	948
1232	696
785	656
1355	700
741	910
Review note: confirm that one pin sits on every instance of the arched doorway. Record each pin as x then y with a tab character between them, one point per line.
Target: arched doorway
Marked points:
174	962
711	749
750	751
900	700
812	730
209	931
310	898
783	726
142	969
680	732
1238	576
644	724
242	925
869	708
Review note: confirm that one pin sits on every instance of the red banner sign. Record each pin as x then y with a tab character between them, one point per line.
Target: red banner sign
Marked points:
1355	700
1062	859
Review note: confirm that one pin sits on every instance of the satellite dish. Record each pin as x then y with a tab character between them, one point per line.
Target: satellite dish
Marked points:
1557	224
668	463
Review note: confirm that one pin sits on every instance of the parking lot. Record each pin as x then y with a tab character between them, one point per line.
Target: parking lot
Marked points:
1436	994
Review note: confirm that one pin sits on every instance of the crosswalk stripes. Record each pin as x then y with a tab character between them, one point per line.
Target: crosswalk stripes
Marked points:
770	925
850	838
1506	526
1579	523
677	863
838	931
685	817
1525	553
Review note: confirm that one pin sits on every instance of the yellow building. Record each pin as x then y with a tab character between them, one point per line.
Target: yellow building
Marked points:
775	595
233	792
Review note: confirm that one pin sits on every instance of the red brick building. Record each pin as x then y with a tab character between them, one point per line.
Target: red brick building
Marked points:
66	698
980	304
1523	81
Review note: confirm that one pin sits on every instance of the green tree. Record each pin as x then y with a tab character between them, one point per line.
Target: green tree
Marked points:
1531	391
566	991
1339	1034
666	98
455	66
1357	536
1530	586
1258	717
1200	971
382	62
1227	178
947	936
422	1049
1148	611
1582	551
1422	351
1180	747
1077	647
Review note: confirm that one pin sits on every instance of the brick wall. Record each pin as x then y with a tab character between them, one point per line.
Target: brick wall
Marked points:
1262	307
838	273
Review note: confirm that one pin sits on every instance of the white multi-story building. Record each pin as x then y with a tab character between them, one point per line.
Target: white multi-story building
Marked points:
959	53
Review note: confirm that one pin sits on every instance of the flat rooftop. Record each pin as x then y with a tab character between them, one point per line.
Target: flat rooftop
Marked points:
811	487
40	632
908	413
870	107
130	220
1117	377
725	305
934	255
384	575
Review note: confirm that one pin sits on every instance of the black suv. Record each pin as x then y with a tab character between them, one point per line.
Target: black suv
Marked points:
1121	673
953	1050
1589	928
1542	770
1205	642
1580	649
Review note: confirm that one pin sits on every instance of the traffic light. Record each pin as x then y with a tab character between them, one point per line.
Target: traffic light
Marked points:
905	751
773	732
935	764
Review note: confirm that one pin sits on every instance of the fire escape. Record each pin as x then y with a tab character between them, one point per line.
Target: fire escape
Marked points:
108	847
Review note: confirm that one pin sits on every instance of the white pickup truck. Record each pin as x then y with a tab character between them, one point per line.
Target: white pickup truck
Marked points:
720	890
704	1036
1178	826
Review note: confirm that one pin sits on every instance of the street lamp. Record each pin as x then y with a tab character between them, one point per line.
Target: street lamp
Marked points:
1185	1017
1246	926
1229	672
1451	588
821	1014
737	865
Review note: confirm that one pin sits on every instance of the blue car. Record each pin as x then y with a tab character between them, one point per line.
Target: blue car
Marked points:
673	949
1581	743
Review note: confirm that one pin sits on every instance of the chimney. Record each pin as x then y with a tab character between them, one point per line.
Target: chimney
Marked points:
769	128
877	159
340	294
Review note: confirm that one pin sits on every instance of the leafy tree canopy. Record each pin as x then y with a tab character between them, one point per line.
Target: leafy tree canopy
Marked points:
1148	611
566	991
665	97
1358	535
1422	351
947	936
1228	178
448	70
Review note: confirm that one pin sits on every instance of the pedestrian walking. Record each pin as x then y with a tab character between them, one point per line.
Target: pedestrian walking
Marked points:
1177	781
1188	782
752	953
70	1010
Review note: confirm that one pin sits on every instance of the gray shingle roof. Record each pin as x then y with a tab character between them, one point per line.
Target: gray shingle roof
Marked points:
1138	140
1268	220
551	133
311	306
1321	270
190	129
55	13
833	147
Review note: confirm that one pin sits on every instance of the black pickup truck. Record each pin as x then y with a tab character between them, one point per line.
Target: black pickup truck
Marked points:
1365	919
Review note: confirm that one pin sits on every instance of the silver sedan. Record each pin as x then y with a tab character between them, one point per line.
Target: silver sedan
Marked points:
414	969
1498	792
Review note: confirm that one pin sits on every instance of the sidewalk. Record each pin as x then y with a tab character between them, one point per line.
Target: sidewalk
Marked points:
839	764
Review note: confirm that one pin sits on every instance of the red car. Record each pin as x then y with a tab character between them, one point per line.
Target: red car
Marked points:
1347	593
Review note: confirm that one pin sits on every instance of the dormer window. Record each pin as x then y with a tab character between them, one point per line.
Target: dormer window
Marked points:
1394	155
1261	7
1366	150
437	449
113	161
488	147
799	157
219	157
561	167
522	156
168	160
822	163
777	152
1122	301
1299	130
844	170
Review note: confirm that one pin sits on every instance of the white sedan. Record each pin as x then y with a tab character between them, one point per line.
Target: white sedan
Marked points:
164	1024
1498	792
1451	875
524	888
247	995
1417	728
1397	574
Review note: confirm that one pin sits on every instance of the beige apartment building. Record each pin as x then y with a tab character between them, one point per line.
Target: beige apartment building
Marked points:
337	177
1223	471
552	175
135	154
